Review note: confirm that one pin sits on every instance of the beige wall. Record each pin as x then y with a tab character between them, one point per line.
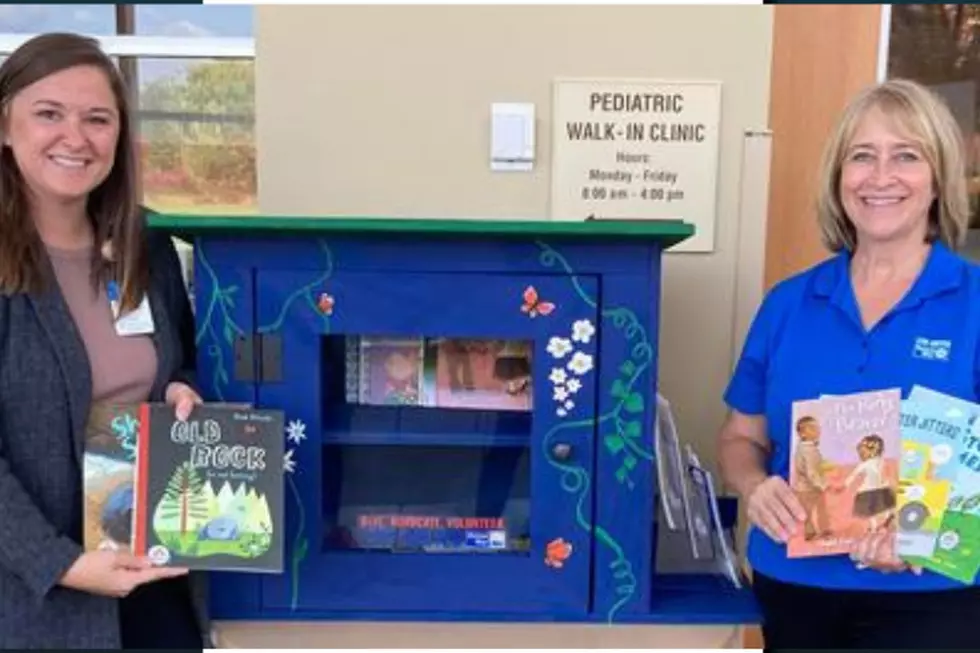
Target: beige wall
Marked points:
384	111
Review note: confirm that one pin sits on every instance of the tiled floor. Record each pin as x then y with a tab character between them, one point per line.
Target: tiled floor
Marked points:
459	635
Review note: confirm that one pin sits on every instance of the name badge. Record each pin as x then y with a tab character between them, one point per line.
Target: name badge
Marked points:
135	323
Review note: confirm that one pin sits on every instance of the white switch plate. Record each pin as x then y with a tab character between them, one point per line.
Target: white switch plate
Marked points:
512	136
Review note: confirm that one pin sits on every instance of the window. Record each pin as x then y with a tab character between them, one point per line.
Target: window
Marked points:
939	45
191	72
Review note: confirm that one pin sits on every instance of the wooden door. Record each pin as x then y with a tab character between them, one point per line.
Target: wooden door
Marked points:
822	55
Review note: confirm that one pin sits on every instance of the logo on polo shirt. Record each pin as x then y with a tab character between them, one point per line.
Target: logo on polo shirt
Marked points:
932	350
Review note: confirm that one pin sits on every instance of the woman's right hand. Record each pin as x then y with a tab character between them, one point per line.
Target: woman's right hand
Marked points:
114	573
773	507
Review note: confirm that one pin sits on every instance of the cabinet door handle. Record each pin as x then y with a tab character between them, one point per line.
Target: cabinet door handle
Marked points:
561	451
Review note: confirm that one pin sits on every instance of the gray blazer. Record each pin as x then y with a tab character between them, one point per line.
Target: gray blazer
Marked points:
45	393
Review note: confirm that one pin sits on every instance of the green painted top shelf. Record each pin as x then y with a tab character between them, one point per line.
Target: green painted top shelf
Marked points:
668	232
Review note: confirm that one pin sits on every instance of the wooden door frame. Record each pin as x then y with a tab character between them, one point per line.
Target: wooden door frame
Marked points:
821	55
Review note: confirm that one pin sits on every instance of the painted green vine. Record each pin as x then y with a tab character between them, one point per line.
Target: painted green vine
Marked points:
306	292
621	429
221	304
301	544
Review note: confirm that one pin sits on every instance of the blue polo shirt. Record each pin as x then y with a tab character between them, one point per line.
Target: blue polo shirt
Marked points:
807	340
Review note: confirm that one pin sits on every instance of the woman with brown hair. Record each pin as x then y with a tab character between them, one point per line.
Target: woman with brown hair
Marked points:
92	309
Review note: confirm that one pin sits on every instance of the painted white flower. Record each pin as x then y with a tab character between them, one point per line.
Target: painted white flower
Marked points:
561	412
288	464
558	347
582	331
296	431
561	394
558	376
569	404
573	385
580	363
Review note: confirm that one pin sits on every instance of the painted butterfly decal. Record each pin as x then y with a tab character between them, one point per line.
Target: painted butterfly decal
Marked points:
533	305
325	304
557	552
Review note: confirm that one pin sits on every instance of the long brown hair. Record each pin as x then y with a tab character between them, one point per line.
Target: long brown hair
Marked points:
112	207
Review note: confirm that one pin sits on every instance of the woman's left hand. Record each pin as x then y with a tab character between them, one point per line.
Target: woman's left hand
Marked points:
877	551
183	398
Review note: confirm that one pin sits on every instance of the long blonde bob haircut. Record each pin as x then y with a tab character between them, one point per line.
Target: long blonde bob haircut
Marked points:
922	117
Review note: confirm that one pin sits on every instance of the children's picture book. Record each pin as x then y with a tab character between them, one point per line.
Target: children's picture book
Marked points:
109	465
931	440
390	371
844	469
209	490
956	554
480	374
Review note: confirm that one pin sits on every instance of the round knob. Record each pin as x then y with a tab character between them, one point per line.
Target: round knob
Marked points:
562	451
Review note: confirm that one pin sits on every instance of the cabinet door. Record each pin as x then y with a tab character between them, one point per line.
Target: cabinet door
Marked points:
440	440
224	309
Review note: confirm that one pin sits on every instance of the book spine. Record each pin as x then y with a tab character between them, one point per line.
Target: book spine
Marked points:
141	483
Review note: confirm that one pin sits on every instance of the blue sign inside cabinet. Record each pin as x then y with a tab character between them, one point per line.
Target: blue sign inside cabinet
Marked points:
469	407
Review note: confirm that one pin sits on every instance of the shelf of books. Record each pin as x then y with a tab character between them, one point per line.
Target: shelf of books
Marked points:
471	421
428	449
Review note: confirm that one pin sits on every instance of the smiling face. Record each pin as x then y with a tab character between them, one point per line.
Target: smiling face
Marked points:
63	130
886	184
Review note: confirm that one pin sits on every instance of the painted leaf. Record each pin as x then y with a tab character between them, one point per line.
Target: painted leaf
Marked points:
632	429
629	461
618	389
627	368
621	474
634	403
614	443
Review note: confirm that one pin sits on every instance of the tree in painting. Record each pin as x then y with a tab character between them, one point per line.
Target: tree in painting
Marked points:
184	499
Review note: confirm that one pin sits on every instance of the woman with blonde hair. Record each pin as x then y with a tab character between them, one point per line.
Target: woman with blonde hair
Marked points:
892	209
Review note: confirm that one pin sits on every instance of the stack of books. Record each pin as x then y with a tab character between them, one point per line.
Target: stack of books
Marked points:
871	461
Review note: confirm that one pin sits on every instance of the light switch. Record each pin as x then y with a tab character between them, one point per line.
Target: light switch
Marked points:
512	136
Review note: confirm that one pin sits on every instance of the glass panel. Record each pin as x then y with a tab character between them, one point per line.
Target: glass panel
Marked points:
939	45
197	135
427	444
34	19
194	20
441	372
427	498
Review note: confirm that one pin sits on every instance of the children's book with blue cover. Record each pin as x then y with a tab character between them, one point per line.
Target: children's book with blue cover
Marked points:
932	435
957	551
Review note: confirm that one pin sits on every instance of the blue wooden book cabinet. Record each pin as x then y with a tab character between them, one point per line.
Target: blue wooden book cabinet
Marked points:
470	407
